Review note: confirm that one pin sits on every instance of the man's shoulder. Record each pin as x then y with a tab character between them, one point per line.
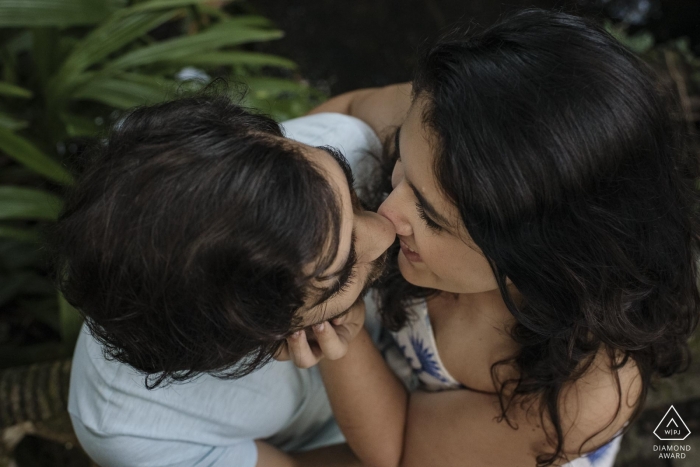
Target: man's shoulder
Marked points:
353	137
111	398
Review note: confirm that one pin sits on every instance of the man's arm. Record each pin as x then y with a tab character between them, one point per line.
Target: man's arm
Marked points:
381	108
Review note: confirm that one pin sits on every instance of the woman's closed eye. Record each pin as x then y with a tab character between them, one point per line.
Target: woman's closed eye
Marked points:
428	221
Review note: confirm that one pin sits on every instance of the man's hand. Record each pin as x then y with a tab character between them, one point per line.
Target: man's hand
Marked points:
329	339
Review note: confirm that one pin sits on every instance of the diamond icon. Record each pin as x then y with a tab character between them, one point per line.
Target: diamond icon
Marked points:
672	427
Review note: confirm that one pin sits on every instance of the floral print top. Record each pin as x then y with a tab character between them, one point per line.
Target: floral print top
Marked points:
416	341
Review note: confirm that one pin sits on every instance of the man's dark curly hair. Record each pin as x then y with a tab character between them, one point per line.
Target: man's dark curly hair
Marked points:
185	240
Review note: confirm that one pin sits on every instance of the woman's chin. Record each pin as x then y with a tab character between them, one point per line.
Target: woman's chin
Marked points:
411	273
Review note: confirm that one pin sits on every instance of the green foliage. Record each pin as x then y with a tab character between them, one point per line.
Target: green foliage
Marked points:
68	68
639	43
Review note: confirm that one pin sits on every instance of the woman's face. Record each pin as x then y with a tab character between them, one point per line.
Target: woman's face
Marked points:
436	249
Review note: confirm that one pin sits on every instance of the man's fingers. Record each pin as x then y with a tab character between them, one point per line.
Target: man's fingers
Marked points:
300	351
282	353
330	343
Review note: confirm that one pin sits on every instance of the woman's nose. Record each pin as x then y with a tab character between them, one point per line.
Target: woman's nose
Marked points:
390	209
376	233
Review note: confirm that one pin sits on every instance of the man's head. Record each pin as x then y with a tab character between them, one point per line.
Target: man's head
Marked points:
199	238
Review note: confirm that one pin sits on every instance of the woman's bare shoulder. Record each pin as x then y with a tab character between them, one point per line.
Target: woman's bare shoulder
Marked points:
599	404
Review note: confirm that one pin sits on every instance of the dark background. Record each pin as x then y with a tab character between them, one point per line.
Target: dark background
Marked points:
342	45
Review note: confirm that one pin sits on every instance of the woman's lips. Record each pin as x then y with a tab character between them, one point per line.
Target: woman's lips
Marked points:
410	255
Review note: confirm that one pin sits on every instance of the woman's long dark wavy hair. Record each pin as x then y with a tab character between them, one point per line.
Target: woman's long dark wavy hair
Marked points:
572	173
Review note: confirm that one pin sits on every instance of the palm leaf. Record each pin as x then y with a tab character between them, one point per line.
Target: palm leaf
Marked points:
60	13
78	125
224	34
127	90
106	39
8	89
11	123
237	57
28	203
158	5
32	157
251	21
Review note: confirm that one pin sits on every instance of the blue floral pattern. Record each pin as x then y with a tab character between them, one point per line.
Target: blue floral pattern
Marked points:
417	344
427	359
599	454
416	341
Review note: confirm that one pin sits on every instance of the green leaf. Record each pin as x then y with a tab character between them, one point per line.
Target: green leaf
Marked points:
106	39
22	42
70	320
61	13
639	43
126	91
28	203
264	88
78	125
11	123
32	157
23	235
237	58
8	89
282	99
221	35
46	53
158	5
251	21
205	9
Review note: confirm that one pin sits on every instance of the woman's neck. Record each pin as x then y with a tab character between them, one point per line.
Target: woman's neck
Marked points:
478	324
487	306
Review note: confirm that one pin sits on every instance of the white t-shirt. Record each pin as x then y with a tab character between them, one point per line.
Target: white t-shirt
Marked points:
209	421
